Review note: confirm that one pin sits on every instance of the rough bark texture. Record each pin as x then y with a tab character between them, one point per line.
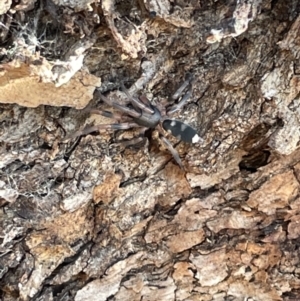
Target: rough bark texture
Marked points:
94	219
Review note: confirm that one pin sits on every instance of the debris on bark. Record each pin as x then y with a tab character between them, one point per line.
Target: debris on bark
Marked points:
94	218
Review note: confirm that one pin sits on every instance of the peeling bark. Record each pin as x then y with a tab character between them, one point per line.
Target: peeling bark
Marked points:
96	219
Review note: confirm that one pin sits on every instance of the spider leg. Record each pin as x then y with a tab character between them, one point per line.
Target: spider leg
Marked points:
188	82
136	102
112	126
96	128
172	150
145	100
181	103
106	114
135	140
132	142
180	90
123	109
170	147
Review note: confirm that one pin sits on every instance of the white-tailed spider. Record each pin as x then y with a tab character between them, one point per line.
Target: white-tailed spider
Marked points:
139	112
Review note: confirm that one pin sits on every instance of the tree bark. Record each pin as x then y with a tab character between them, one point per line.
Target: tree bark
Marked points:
93	218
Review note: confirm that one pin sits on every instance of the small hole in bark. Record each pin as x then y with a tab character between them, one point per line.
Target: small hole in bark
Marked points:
45	146
152	14
253	161
280	122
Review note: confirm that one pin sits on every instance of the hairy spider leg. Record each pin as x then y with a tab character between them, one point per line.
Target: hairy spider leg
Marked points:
136	102
169	146
132	142
112	126
135	140
176	107
121	108
180	90
107	114
145	100
172	150
181	103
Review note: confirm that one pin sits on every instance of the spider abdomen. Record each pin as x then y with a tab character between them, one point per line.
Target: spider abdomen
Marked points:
181	130
149	120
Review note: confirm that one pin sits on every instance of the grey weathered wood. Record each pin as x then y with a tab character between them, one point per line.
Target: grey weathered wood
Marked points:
94	219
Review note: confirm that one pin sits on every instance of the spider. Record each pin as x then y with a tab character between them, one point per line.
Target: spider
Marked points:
141	113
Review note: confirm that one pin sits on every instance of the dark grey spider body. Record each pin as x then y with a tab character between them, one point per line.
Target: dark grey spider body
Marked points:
149	120
142	113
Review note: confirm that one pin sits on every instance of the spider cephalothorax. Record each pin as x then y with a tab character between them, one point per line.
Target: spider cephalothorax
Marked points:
141	113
